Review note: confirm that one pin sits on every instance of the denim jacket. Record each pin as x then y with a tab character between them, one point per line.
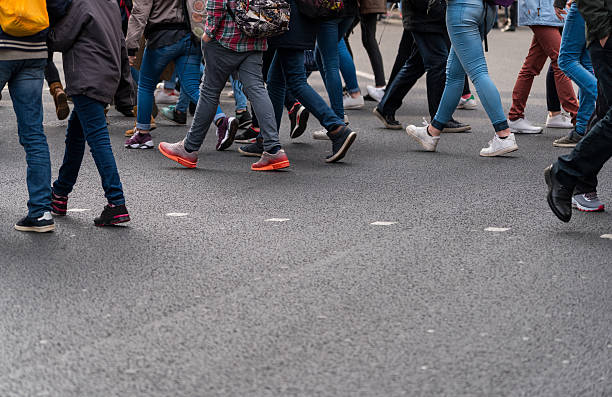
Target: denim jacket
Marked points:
537	12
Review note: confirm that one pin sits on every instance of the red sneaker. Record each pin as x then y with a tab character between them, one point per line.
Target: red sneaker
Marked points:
271	162
177	152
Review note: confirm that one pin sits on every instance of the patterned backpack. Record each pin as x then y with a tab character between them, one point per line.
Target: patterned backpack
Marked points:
261	18
196	16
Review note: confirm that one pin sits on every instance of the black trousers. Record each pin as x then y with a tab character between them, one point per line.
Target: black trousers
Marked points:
51	73
368	39
581	166
403	53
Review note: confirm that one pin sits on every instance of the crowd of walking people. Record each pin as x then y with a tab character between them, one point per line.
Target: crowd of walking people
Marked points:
182	53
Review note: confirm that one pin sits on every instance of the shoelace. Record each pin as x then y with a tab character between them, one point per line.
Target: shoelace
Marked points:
591	196
425	122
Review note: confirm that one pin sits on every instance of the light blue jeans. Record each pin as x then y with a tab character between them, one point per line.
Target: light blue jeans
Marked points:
467	22
574	60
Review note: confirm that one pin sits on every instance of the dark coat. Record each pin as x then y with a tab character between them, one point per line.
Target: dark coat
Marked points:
302	32
416	18
372	6
597	15
92	45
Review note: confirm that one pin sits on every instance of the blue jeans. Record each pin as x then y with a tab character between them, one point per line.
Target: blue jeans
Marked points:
329	34
187	58
239	97
466	23
287	72
25	81
574	60
347	68
88	123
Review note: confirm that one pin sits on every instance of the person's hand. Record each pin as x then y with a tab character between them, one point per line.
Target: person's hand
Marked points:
604	41
560	12
132	59
206	38
569	3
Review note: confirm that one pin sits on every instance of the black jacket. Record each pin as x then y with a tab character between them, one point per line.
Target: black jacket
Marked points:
302	32
417	19
92	45
597	15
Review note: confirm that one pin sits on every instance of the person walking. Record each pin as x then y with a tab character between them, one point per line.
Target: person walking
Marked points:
23	55
540	16
92	46
369	10
590	154
468	21
429	55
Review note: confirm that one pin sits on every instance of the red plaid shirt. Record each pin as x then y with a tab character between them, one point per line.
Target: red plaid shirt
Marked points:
221	26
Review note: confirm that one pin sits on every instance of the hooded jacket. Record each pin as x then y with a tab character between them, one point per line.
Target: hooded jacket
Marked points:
149	15
92	46
597	15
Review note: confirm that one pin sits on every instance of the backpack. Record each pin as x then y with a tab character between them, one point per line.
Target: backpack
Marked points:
261	18
317	9
21	18
196	16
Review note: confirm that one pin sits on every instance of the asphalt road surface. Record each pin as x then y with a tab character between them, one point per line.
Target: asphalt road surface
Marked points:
224	302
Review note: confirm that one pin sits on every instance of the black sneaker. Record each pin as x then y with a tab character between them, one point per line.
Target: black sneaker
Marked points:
247	136
127	111
244	119
170	113
388	120
341	142
570	140
59	204
112	215
254	149
298	115
456	126
39	225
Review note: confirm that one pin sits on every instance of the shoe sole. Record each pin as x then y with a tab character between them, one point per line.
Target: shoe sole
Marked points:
180	160
560	127
140	146
118	220
565	145
230	134
419	141
548	180
463	107
582	208
501	152
302	122
382	120
272	167
36	229
248	154
344	149
457	129
526	132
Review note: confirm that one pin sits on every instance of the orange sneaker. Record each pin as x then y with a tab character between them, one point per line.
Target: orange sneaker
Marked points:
271	162
177	152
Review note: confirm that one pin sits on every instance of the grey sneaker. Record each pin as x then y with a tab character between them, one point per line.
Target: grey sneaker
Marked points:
571	140
588	202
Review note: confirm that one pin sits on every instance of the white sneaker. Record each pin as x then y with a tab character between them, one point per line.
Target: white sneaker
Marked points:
522	126
467	104
420	135
559	121
353	103
320	135
162	97
230	94
498	146
376	93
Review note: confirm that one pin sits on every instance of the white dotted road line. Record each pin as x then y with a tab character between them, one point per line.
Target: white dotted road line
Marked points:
277	220
177	214
78	209
497	229
382	223
608	236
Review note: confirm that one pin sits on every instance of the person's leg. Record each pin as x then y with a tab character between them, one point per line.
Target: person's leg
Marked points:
407	77
575	62
433	48
465	24
403	53
368	38
153	64
51	72
327	57
466	87
549	39
93	124
277	86
183	102
73	156
552	99
239	97
249	72
220	62
348	70
533	64
25	81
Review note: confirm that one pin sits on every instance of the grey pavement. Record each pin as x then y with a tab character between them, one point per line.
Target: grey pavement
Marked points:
221	302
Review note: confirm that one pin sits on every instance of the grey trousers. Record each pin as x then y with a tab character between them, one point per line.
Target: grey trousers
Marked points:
246	67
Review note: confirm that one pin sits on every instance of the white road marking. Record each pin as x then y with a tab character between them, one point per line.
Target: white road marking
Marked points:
430	331
277	220
608	236
78	209
177	214
565	362
43	341
382	223
423	367
496	229
525	338
364	75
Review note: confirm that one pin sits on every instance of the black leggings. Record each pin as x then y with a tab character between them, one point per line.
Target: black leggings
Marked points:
368	38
